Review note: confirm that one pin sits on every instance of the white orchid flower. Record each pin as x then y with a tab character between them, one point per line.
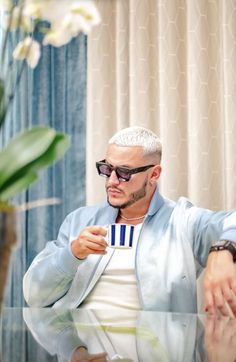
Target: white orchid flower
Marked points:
49	10
33	10
77	16
57	37
17	20
88	11
72	24
65	18
79	19
28	49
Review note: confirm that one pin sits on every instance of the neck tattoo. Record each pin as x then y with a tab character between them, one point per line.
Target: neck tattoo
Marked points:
132	218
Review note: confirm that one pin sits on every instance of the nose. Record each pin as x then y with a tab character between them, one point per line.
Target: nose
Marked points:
113	179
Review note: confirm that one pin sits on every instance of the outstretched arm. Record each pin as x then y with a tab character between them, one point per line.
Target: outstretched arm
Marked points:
220	284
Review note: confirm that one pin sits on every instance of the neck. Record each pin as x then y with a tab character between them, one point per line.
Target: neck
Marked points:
132	218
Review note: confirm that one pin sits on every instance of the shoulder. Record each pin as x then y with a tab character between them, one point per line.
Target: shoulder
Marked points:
184	202
184	209
181	204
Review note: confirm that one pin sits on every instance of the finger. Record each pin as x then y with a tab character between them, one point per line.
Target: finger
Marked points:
233	285
212	311
86	236
227	293
218	298
214	303
82	248
94	242
91	250
232	304
103	231
96	245
99	243
97	230
97	252
225	310
208	301
230	299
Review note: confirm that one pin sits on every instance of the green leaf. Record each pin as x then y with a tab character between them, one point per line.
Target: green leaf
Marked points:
58	147
24	173
18	186
23	149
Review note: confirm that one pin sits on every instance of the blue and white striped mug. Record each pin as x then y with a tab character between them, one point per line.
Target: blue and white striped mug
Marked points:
120	236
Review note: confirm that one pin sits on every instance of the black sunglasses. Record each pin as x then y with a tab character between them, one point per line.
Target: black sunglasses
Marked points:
122	173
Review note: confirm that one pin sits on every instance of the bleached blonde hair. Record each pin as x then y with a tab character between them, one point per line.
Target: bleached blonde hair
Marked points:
138	136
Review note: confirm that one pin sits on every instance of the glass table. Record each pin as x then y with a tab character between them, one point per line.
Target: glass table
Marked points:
47	334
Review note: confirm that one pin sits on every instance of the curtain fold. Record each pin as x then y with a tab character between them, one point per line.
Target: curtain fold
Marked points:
169	66
54	94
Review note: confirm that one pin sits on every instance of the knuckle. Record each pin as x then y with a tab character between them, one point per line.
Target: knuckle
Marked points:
207	284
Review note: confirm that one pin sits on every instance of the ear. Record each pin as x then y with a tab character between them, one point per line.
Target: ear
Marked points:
156	172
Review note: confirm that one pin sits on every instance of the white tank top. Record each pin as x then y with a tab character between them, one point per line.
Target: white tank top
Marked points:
117	286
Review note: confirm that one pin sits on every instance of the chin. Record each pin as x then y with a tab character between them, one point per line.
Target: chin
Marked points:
114	203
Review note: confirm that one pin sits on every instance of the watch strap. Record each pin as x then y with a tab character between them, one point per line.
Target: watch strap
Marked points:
228	245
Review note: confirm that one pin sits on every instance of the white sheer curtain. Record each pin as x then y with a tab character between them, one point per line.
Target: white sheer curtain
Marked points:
169	66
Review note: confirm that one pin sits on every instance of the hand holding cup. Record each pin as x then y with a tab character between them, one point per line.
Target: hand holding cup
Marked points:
91	240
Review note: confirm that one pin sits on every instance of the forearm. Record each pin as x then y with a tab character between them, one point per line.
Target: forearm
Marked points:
49	276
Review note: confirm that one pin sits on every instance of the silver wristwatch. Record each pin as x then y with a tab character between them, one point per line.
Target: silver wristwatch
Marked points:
225	245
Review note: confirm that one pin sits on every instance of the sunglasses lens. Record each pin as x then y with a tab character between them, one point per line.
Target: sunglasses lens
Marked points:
105	170
122	174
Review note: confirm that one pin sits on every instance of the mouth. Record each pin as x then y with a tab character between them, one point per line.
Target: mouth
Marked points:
113	192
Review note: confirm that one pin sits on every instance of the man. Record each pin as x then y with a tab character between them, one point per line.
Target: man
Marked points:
159	272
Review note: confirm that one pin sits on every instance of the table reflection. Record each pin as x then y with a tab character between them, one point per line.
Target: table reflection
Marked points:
220	339
32	334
